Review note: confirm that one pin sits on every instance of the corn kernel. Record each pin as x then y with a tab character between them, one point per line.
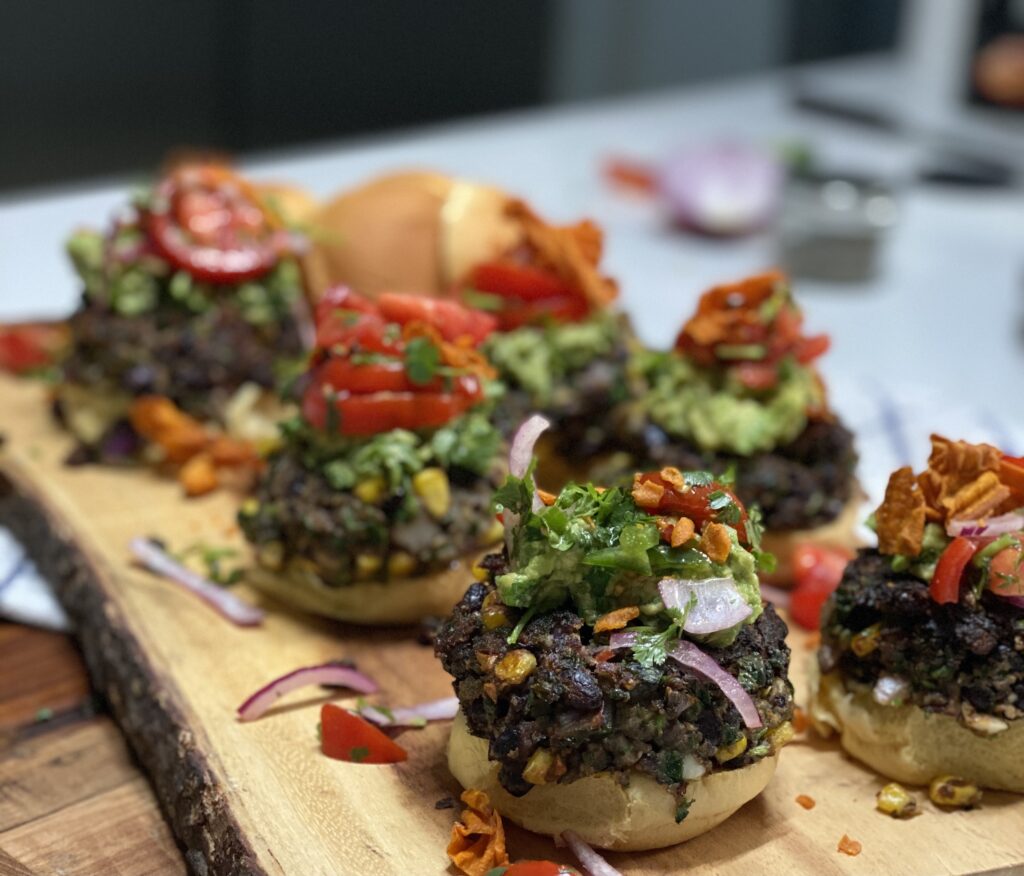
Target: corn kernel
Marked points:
493	534
954	792
432	486
371	491
401	564
270	555
538	766
866	641
896	801
479	572
495	616
516	666
781	735
367	565
732	750
250	507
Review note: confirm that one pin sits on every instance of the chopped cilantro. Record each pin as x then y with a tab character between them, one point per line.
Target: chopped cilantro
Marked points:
682	810
698	478
422	359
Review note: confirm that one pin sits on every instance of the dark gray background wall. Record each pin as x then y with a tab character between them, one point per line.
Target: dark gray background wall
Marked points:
91	87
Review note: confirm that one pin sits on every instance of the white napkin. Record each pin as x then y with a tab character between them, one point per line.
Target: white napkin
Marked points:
892	423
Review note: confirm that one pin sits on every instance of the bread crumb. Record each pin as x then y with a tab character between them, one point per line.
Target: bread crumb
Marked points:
805	801
849	846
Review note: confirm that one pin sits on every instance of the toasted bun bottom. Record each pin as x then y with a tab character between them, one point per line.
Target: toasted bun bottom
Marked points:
910	745
840	533
603	812
405	601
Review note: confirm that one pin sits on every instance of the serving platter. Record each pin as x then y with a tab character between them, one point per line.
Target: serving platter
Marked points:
260	797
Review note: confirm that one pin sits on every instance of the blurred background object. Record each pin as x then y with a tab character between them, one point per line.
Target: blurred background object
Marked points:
106	87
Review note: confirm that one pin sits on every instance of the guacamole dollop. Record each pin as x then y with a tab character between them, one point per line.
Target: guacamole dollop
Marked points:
711	408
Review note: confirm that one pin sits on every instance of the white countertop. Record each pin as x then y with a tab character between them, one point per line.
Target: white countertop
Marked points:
946	311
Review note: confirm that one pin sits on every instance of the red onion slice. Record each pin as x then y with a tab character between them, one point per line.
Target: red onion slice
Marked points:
622	639
1001	525
159	562
521	451
328	674
412	716
889	688
592	862
689	655
715	603
722	188
1017	601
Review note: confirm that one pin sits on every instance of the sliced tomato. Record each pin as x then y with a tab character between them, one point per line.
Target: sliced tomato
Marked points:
539	868
382	411
342	298
1006	573
205	220
817	571
945	584
357	332
696	503
346	736
453	320
527	283
30	346
757	375
1011	473
516	314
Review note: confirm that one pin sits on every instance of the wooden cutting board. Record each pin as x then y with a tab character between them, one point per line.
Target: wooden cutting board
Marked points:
260	798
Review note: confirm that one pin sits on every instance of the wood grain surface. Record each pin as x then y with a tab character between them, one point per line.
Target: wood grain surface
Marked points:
260	798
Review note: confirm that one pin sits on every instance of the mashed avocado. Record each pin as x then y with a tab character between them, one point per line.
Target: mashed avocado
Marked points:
717	413
536	358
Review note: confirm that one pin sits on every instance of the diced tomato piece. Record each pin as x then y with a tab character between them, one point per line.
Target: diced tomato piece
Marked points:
364	332
695	503
524	282
30	346
757	375
343	298
1006	573
452	319
346	736
1011	473
809	349
343	375
817	571
516	314
379	412
945	585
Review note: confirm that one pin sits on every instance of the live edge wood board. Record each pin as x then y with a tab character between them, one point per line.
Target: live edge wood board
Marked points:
260	798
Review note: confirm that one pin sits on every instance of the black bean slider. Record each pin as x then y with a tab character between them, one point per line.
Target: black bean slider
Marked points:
740	392
617	671
922	645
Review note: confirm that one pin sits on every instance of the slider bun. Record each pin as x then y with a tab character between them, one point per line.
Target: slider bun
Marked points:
605	814
372	603
910	745
415	231
839	533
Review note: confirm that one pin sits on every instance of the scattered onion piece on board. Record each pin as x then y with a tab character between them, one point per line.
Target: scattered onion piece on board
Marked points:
592	862
158	561
346	736
324	674
411	716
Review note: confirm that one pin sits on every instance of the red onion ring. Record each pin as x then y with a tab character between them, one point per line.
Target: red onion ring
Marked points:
592	862
520	452
226	603
718	603
328	674
689	655
412	716
1001	525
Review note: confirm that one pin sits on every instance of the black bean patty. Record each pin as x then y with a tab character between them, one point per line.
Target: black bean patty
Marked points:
608	715
970	652
296	513
196	360
802	484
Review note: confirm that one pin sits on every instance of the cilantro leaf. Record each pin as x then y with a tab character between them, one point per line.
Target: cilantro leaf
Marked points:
422	359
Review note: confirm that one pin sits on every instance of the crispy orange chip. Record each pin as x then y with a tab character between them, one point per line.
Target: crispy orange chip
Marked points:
478	840
616	620
674	478
715	542
901	516
953	465
158	420
979	498
546	497
682	532
805	801
849	846
646	494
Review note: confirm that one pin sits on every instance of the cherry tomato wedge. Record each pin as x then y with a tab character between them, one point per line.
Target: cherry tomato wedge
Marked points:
1011	473
1006	573
757	375
524	282
30	346
342	298
206	221
516	314
697	501
357	331
538	868
945	585
382	411
806	350
817	571
344	376
451	319
346	736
